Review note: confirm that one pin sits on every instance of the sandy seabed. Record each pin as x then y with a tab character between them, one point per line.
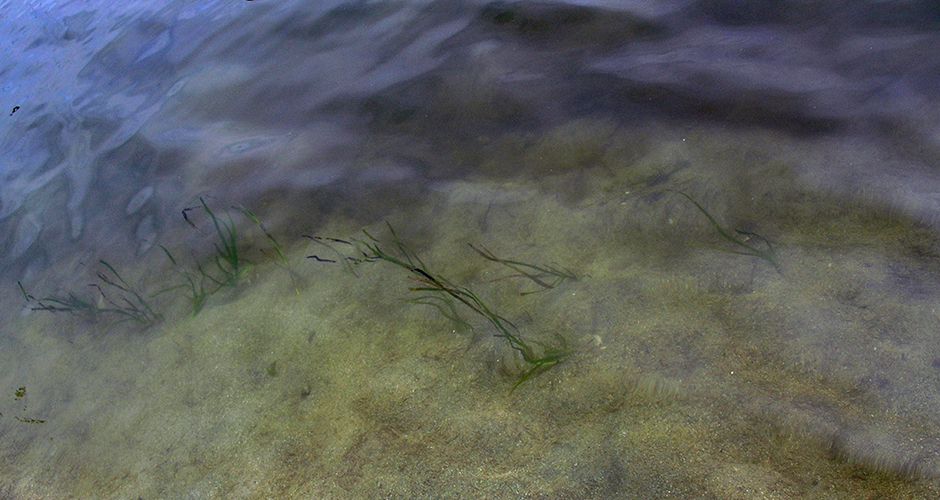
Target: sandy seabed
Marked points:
694	372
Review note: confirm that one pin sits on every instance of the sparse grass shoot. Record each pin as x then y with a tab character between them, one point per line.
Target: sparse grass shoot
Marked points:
443	294
547	277
762	248
115	298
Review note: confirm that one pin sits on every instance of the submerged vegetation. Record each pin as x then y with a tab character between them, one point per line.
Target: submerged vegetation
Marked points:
761	249
115	299
440	292
111	296
535	274
228	261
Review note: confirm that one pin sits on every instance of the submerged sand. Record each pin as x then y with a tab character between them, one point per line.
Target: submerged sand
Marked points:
694	372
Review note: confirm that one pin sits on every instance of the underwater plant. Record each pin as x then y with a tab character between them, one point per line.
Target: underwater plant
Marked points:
130	303
116	298
280	257
535	274
229	258
199	285
443	294
767	253
71	304
121	301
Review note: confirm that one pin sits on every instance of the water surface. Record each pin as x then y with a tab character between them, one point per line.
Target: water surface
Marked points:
741	197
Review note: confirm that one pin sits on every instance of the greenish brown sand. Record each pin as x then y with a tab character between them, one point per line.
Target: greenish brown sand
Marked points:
695	373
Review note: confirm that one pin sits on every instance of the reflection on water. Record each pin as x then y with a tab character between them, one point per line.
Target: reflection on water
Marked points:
171	335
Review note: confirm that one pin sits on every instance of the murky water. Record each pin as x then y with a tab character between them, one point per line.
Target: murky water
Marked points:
457	249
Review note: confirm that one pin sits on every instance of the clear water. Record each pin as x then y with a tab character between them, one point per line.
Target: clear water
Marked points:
730	208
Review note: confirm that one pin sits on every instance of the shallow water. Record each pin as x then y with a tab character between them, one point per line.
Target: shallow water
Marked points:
730	209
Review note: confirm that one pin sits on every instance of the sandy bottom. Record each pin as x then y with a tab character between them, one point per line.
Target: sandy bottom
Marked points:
694	372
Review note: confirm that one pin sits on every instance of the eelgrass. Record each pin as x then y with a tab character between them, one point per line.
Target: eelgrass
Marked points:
768	254
121	301
202	283
279	257
117	299
444	295
71	303
199	285
129	303
536	274
229	261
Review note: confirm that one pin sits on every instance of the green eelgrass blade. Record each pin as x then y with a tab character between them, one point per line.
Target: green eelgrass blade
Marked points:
71	304
339	256
560	275
228	251
199	290
254	219
127	303
768	255
228	261
168	254
26	296
550	356
447	308
443	294
138	309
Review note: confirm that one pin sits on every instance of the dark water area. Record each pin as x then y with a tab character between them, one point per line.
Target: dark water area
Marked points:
467	249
